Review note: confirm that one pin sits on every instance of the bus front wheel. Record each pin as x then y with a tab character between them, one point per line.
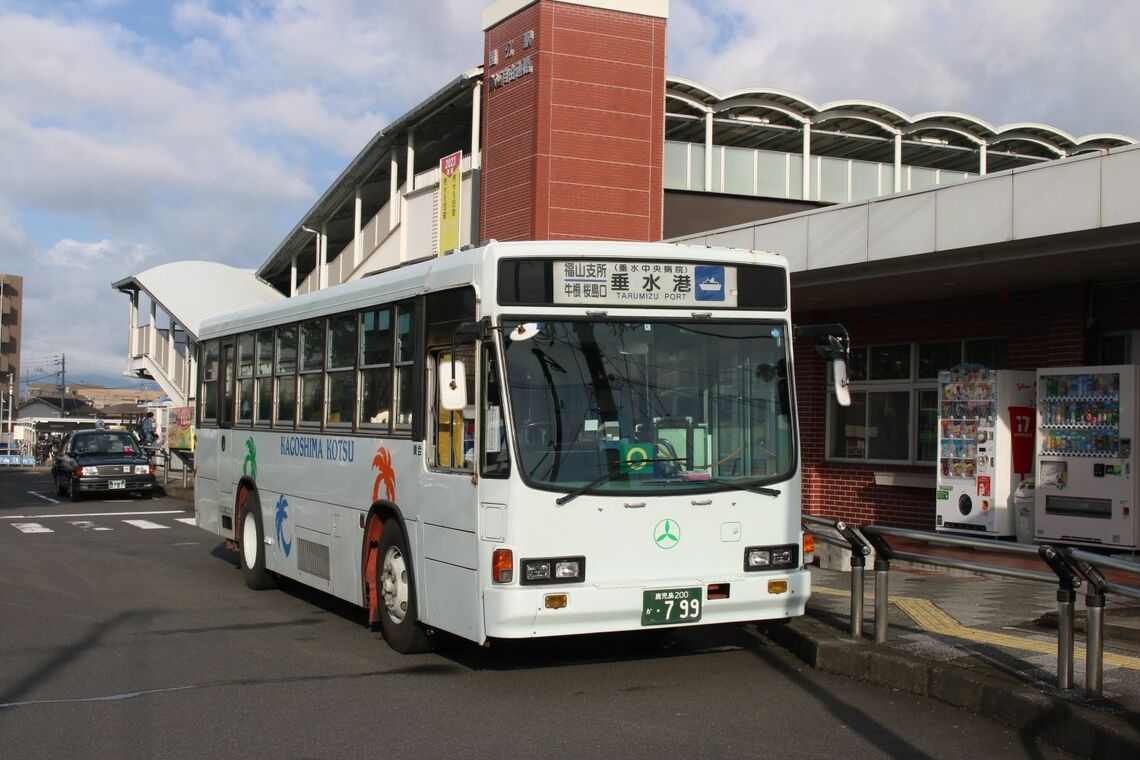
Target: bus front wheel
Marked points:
398	593
253	544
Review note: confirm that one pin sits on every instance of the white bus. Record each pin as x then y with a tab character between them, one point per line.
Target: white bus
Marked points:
519	440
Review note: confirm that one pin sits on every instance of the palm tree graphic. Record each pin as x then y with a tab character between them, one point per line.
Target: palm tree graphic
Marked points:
383	462
282	516
249	464
667	535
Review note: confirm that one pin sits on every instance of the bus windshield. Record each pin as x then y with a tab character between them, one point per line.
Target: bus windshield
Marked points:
652	406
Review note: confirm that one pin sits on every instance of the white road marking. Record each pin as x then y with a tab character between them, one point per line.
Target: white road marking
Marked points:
95	514
146	524
31	528
88	525
187	520
45	498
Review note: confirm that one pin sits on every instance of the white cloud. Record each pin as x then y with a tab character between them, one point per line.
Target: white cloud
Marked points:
1067	64
107	255
205	128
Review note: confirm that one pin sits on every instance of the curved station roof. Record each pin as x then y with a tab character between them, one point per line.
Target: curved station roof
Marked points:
772	119
194	290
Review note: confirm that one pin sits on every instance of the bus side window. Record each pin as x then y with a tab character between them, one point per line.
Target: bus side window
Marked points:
454	444
496	462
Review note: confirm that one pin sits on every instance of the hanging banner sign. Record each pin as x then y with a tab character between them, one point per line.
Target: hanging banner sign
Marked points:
450	188
626	283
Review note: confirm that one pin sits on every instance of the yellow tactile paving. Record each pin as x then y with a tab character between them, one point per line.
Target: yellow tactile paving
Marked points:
930	618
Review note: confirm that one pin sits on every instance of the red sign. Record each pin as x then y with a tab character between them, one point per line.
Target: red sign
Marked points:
1021	428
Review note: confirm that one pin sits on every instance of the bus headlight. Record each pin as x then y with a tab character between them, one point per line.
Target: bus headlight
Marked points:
778	557
553	570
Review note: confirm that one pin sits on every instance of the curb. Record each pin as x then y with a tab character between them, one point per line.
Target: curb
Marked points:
1075	728
178	492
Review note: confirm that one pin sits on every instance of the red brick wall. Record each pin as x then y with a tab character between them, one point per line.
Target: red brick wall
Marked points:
1043	327
574	150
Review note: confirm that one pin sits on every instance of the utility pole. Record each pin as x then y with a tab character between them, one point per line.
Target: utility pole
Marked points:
63	385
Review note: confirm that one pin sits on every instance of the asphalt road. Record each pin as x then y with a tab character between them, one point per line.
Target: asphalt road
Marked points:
123	640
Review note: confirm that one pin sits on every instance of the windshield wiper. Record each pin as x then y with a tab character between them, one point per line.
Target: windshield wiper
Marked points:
755	486
608	476
604	478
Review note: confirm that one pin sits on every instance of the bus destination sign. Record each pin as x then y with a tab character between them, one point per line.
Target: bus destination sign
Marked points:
636	283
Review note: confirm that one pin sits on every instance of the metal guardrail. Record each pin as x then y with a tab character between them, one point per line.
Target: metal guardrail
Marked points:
1069	566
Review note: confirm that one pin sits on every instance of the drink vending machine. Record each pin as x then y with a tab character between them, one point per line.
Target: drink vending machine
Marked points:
1086	462
985	424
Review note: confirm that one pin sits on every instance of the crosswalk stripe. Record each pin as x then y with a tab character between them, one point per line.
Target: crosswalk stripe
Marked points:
31	528
88	525
146	524
188	521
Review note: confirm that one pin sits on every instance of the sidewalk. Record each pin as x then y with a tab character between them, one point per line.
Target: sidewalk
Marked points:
982	643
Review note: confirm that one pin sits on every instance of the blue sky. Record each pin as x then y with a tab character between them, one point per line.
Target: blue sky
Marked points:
134	133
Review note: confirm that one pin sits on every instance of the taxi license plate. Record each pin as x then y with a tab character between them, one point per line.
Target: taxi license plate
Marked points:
116	484
670	606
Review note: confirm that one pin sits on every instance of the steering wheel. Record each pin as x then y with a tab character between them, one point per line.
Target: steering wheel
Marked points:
535	433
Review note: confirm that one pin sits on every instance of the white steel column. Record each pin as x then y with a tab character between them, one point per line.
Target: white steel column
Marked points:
393	191
708	151
807	161
168	349
410	169
357	238
982	159
898	162
133	321
476	124
152	343
293	277
322	256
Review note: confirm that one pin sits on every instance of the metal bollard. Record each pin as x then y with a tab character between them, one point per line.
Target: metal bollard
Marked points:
882	572
1069	581
1065	600
858	563
1094	656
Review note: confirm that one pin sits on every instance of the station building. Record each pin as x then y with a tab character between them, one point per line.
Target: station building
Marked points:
936	238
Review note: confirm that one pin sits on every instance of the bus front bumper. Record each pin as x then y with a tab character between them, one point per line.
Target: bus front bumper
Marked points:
516	612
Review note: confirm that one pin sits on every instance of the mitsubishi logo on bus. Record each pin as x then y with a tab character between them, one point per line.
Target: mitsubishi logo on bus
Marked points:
666	534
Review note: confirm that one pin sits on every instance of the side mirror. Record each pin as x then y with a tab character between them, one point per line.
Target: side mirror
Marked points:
452	385
839	375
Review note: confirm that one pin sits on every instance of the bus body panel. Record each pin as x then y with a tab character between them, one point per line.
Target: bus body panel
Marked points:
513	613
316	487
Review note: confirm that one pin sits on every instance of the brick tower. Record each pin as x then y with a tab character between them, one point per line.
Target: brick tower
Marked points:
573	119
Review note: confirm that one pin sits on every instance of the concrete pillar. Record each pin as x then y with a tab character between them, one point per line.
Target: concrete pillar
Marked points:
709	153
982	158
898	163
357	238
807	161
393	190
476	124
293	277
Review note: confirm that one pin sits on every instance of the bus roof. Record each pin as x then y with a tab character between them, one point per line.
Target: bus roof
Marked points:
460	268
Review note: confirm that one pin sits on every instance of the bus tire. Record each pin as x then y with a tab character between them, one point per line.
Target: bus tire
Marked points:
398	593
252	546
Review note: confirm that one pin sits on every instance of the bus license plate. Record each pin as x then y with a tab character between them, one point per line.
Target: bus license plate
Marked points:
668	606
117	484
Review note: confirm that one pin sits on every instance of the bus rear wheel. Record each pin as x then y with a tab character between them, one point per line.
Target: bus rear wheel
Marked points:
253	544
398	593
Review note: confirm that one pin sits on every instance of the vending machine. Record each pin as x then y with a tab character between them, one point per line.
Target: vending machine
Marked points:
1086	462
985	423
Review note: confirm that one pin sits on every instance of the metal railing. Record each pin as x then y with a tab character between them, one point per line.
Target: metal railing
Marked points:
1069	568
